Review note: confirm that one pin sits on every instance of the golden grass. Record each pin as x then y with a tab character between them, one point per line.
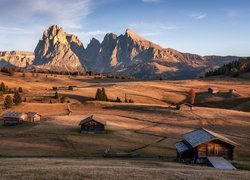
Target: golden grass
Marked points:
59	168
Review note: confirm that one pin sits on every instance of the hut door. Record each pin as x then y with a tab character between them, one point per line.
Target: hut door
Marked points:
217	150
210	150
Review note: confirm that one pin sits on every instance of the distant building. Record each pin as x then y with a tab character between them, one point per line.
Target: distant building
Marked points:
185	106
200	144
92	125
72	88
54	88
213	90
232	91
33	116
14	118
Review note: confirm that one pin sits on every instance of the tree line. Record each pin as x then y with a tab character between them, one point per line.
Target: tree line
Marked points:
9	100
102	96
233	69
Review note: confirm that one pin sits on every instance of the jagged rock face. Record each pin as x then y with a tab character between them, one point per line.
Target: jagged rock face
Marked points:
128	54
92	51
16	58
107	54
59	50
136	56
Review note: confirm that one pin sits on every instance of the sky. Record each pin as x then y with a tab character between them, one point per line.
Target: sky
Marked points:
205	27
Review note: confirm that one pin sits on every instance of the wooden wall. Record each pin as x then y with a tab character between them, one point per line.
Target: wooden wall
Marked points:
215	148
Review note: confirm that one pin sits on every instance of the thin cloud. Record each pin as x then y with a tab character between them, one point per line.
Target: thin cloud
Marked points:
14	30
94	33
153	29
65	13
198	16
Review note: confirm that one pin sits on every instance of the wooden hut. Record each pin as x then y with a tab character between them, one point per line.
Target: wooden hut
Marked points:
198	145
92	125
213	90
185	106
13	118
72	88
33	116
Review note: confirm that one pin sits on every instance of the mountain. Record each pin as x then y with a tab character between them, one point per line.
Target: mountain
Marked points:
59	51
126	54
132	54
16	58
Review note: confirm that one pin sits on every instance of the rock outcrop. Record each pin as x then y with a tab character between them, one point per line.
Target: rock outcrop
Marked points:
16	58
59	50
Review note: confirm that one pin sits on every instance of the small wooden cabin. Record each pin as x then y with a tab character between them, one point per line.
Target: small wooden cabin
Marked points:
200	144
185	106
92	125
232	91
33	116
72	88
213	90
14	118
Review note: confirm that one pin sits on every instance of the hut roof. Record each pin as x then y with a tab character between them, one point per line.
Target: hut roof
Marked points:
90	118
31	114
202	135
182	146
10	114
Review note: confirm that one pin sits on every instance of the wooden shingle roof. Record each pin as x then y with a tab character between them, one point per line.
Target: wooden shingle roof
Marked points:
90	118
202	135
31	114
10	114
182	146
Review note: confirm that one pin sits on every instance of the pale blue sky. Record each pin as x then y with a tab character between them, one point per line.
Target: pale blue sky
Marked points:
205	27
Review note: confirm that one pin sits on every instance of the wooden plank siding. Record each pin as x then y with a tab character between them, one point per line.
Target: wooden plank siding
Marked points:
215	148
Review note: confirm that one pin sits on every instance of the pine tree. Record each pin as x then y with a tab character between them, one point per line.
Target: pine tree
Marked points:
20	89
101	95
56	95
17	99
2	87
1	95
126	99
8	102
104	95
98	95
118	100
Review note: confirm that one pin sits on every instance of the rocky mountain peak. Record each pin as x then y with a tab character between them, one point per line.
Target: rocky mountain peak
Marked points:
133	35
59	49
93	42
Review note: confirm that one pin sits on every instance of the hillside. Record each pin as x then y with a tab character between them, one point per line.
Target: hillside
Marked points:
63	168
234	69
148	126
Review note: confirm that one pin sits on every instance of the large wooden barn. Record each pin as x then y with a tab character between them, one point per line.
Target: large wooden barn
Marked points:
198	145
92	124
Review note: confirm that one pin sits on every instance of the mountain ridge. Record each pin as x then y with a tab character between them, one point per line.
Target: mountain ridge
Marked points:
125	54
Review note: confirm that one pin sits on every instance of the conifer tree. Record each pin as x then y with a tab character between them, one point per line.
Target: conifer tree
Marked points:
17	99
2	87
56	95
104	95
8	102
